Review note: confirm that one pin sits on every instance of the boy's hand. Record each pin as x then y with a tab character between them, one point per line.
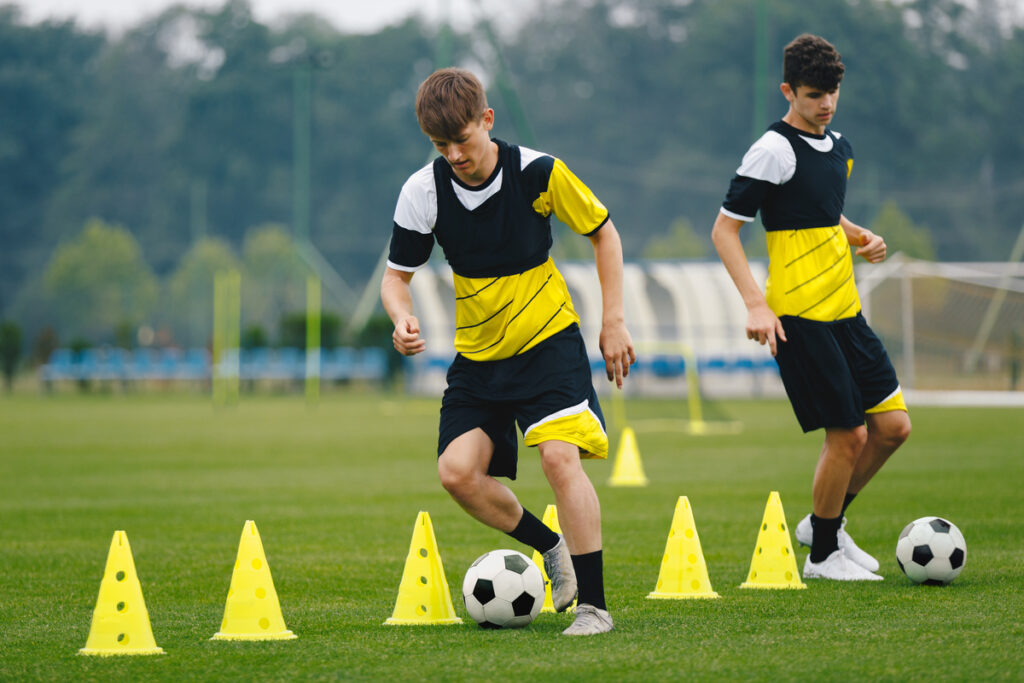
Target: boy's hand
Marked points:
872	247
617	348
764	327
406	336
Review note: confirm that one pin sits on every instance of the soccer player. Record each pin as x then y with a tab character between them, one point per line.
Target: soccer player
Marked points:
520	355
836	372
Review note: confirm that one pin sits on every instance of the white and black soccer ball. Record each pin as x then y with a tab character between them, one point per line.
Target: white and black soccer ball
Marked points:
931	550
503	589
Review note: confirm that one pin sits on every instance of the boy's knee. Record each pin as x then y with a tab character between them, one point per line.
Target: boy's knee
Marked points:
457	475
559	457
847	444
899	430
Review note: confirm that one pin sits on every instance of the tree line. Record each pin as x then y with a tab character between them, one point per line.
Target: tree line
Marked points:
170	149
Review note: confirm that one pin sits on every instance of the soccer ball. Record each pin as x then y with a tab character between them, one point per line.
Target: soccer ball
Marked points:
503	589
931	550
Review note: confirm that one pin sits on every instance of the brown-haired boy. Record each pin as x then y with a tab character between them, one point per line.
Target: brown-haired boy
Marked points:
520	355
835	370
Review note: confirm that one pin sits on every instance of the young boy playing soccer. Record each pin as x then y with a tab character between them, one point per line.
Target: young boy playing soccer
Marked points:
836	372
520	355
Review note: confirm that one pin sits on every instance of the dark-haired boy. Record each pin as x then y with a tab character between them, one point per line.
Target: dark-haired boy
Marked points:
835	370
521	358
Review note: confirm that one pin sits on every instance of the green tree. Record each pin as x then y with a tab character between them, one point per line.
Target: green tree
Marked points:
274	280
10	350
191	289
45	78
900	233
98	281
681	242
121	163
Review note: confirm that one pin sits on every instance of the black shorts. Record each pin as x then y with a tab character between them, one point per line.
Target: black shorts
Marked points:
547	390
834	372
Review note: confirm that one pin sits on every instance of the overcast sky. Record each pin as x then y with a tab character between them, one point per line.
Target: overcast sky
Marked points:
348	15
351	16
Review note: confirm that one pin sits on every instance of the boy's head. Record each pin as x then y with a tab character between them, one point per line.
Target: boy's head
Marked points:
448	101
812	61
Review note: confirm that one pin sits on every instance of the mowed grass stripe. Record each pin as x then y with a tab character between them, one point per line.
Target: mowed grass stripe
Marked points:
335	490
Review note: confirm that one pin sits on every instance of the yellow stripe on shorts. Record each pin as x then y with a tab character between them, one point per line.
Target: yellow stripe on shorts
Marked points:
577	425
893	402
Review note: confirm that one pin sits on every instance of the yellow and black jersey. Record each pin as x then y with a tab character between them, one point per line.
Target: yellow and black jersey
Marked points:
496	236
798	182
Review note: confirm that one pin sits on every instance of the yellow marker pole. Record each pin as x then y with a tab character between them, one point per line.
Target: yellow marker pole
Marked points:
313	305
216	371
693	390
233	333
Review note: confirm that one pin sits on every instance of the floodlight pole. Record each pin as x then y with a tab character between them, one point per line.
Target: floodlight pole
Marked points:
301	134
760	67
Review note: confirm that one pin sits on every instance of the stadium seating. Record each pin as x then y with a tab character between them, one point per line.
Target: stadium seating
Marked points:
113	364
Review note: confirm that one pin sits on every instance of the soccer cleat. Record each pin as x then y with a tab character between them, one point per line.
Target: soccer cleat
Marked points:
589	621
558	567
805	534
838	567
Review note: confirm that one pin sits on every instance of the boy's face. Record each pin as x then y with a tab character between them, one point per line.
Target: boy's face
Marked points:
471	154
814	108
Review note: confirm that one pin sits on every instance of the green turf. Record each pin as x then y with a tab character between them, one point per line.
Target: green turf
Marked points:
335	491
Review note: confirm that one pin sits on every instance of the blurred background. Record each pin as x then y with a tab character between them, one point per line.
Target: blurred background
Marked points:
146	147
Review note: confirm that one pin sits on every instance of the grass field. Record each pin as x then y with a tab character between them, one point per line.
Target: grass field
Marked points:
335	491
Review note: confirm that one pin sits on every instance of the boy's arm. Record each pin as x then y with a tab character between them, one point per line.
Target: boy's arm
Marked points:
615	343
762	323
396	296
869	245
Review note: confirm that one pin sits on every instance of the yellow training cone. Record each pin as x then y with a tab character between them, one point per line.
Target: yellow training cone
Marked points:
423	596
627	470
120	622
550	521
774	564
684	574
252	611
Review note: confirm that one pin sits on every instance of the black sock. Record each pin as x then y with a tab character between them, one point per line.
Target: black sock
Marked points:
534	533
846	502
590	578
826	537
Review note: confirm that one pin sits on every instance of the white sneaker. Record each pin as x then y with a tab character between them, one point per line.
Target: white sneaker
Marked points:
838	567
805	535
589	621
558	567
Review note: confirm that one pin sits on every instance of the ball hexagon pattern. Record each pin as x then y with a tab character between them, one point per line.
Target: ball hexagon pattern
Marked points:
503	589
931	550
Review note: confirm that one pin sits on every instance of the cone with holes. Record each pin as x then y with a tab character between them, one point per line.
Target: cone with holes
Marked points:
627	470
774	564
423	595
253	611
120	622
684	574
551	521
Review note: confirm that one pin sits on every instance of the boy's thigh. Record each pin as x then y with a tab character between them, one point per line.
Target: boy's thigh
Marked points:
817	376
871	367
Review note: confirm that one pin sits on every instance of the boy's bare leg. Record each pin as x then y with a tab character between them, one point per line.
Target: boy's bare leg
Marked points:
463	472
886	432
579	511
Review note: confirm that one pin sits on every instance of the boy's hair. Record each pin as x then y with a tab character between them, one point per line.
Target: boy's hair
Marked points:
812	61
448	101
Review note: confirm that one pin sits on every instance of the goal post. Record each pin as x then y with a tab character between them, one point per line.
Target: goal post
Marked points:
948	326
